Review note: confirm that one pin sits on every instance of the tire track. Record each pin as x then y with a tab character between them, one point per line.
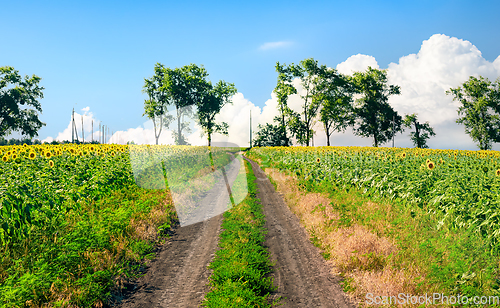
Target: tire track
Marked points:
302	275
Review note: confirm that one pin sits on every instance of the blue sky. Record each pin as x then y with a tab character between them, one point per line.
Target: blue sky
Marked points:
96	54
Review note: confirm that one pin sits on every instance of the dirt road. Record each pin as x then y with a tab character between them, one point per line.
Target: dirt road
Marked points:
179	276
301	274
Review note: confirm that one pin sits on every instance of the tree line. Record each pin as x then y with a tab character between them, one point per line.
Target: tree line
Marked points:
360	101
193	96
338	101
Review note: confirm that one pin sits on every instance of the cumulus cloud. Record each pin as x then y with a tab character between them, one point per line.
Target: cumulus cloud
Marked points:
442	63
357	63
274	45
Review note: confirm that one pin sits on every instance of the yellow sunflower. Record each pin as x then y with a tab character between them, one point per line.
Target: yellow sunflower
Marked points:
32	155
48	154
5	158
498	172
318	160
430	165
51	163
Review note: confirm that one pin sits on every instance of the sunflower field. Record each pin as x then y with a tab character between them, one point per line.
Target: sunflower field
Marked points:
461	187
75	220
42	178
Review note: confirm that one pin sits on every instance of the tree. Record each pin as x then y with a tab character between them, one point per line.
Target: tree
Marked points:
180	87
479	110
307	70
335	96
155	108
283	89
422	131
14	92
213	101
186	87
270	135
374	116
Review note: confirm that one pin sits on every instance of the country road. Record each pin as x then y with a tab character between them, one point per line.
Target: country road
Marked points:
178	277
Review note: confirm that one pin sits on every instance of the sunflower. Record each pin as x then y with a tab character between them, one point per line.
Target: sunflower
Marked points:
318	160
14	156
403	155
48	154
32	155
498	172
431	165
5	158
51	163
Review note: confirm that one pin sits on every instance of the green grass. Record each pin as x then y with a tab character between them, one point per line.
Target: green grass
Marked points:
77	259
241	267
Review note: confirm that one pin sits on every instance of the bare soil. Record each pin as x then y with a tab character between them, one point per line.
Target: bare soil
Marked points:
178	277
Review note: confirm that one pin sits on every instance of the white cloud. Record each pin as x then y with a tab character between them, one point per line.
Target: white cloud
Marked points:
357	63
442	63
274	45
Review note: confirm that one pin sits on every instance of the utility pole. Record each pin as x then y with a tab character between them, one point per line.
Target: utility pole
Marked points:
83	134
393	127
72	126
250	128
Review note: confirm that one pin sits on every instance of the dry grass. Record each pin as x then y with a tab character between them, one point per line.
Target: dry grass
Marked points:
361	254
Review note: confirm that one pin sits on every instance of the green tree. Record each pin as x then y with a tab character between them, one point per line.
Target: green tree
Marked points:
422	132
335	96
186	87
374	116
270	135
283	89
301	124
479	110
156	106
14	93
215	98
